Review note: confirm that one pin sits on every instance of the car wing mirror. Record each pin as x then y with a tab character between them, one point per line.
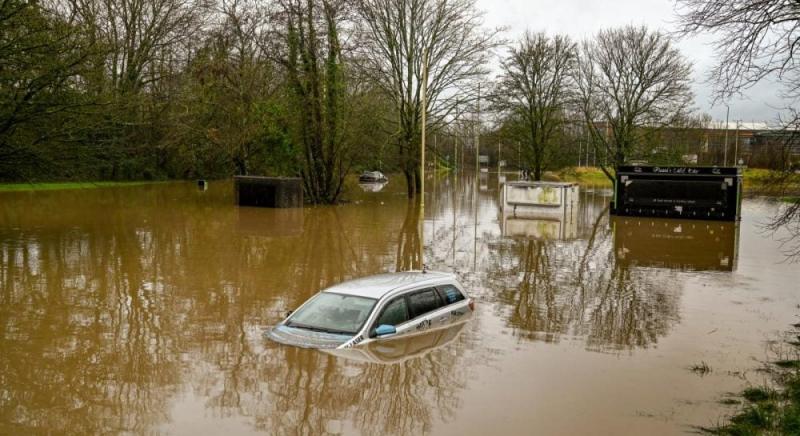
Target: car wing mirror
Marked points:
385	329
289	313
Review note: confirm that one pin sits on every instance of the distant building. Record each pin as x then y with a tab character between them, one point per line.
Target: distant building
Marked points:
754	144
693	142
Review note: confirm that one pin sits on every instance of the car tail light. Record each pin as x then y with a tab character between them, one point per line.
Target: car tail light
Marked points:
471	304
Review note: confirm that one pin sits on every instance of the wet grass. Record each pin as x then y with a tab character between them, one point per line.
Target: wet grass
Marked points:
759	175
755	179
730	401
768	410
13	187
788	364
584	175
771	182
758	394
701	368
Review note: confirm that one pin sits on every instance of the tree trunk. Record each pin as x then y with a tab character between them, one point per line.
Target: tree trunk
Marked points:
537	172
410	186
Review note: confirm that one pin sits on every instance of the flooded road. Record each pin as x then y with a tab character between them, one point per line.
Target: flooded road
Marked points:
141	310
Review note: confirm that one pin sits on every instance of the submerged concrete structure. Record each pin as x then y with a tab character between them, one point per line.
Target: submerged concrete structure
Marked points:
540	210
703	193
269	191
539	199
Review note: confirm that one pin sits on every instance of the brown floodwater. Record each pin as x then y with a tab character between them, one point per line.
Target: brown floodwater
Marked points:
142	310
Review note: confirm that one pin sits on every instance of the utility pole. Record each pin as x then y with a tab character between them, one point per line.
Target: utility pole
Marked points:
736	146
587	147
725	153
455	153
422	161
424	121
435	150
499	149
478	133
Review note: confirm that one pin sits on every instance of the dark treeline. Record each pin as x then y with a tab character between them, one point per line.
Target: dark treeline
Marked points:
157	89
181	89
151	89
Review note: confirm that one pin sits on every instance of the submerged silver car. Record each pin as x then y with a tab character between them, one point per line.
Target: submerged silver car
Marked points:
376	308
402	348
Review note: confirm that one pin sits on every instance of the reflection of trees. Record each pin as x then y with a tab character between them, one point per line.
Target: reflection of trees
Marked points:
409	253
308	390
555	288
406	398
534	303
633	309
87	342
297	268
106	306
125	297
290	390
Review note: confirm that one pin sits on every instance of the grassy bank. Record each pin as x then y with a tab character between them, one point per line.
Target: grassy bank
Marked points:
772	408
10	187
771	182
583	175
755	179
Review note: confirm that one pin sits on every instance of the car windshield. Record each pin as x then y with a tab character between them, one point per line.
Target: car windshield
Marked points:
333	313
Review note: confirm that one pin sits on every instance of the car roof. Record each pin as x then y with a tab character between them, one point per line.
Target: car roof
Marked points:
381	284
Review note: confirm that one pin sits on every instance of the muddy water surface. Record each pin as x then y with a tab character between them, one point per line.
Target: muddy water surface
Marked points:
141	310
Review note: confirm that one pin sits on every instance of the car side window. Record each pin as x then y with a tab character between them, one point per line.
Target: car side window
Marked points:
450	294
423	302
395	313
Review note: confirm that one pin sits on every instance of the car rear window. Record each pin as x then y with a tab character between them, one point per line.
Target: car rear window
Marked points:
424	302
451	294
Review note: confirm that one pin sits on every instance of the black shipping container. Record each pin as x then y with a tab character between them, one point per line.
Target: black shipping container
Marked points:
708	193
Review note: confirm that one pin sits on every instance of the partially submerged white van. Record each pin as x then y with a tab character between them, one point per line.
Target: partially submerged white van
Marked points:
375	308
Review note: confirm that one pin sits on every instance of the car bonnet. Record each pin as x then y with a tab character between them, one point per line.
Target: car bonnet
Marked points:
305	338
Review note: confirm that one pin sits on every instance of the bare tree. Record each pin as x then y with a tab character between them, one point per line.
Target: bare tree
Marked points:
141	36
145	43
627	79
42	59
757	39
316	81
788	219
397	36
228	90
246	79
534	87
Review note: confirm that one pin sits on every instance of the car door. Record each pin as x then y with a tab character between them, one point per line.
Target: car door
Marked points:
395	313
425	309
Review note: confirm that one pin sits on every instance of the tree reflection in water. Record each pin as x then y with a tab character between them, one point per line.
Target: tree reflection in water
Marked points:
89	342
409	251
129	300
128	303
576	288
306	391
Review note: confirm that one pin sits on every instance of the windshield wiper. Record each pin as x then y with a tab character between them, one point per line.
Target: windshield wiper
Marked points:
317	329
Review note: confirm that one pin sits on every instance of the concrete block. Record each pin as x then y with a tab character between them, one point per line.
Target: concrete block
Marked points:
260	191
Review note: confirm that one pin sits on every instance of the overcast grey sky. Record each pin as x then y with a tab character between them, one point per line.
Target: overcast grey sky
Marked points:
582	18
